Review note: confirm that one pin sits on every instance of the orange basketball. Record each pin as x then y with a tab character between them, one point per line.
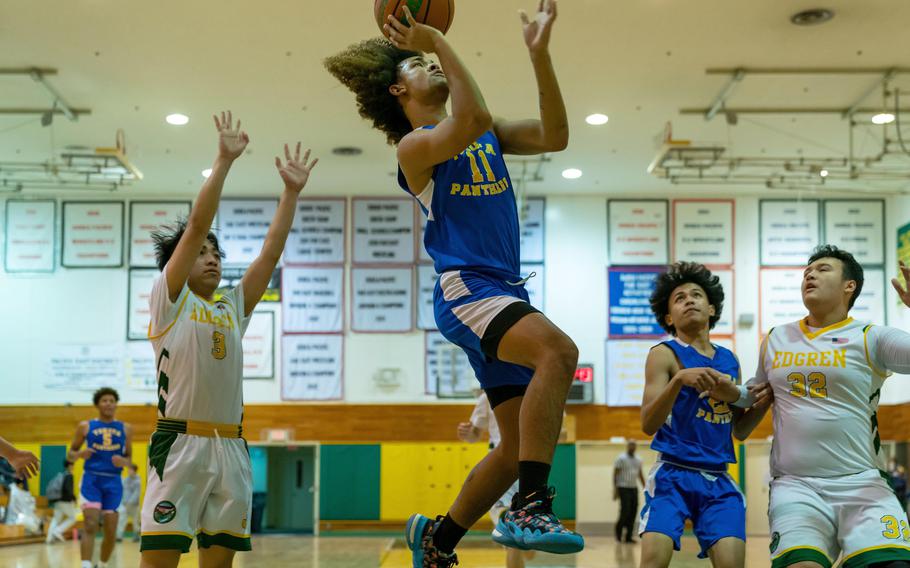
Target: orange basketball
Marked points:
435	13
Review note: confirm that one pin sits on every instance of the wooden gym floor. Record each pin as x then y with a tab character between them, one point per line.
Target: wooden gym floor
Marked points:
279	551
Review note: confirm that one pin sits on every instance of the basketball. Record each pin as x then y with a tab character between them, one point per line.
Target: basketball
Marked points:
438	14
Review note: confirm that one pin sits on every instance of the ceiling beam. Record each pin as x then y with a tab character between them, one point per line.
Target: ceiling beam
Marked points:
787	110
22	110
806	70
724	94
27	71
883	80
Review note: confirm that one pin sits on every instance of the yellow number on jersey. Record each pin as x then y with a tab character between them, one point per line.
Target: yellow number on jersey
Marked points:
892	528
475	171
813	386
486	166
219	350
818	385
797	384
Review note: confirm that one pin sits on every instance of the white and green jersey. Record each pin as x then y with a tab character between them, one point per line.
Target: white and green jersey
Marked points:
198	354
827	384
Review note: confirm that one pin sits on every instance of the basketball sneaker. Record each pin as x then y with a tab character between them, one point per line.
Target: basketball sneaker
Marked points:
419	535
535	527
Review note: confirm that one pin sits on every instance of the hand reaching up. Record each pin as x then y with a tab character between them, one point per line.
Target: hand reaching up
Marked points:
295	172
231	140
537	31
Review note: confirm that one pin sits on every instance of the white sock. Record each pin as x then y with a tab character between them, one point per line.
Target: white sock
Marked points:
86	564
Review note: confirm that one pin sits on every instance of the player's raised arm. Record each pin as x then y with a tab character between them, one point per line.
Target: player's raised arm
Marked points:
549	133
231	143
294	173
419	151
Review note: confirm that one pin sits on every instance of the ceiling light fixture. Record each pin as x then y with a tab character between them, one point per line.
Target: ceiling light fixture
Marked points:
597	119
823	173
571	173
883	118
177	119
206	172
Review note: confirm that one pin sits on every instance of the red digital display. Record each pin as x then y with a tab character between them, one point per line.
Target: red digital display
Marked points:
584	374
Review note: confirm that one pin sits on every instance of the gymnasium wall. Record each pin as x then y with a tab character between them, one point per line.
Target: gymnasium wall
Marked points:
88	306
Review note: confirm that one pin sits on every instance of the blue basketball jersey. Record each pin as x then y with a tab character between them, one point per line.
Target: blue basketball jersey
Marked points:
108	439
699	430
472	218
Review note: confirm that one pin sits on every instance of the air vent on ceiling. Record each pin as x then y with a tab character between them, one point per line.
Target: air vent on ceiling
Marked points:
812	17
347	151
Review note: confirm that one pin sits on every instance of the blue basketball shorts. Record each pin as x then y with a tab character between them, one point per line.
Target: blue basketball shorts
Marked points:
101	491
474	311
711	500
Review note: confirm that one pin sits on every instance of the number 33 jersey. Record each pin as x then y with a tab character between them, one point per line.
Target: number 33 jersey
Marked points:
198	354
826	395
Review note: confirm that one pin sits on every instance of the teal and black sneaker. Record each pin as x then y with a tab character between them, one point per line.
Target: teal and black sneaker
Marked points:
419	536
535	527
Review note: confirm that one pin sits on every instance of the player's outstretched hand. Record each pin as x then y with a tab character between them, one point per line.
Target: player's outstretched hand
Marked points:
119	461
295	172
411	36
537	31
763	394
231	140
903	293
700	378
25	463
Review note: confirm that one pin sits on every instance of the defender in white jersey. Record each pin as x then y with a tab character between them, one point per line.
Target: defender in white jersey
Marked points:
199	477
829	497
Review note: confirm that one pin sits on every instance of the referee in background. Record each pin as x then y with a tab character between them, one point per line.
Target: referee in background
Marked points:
626	476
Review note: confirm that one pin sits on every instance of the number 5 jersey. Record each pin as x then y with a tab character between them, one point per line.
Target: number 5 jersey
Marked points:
198	354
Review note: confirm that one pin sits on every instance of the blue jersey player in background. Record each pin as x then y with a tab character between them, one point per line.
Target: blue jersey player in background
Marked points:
108	446
689	386
452	163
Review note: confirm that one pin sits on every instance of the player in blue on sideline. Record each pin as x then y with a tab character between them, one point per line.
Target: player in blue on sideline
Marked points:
108	446
690	384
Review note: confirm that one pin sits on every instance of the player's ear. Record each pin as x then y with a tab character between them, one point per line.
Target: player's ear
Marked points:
398	89
668	319
850	286
712	311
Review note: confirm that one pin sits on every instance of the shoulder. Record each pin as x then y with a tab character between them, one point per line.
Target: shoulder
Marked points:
83	426
411	142
662	353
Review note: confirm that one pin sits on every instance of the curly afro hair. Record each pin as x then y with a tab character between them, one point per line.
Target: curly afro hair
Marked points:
102	392
685	273
165	241
852	269
368	69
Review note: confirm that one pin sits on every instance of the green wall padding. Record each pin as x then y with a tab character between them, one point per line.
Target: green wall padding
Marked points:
51	464
349	478
562	476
